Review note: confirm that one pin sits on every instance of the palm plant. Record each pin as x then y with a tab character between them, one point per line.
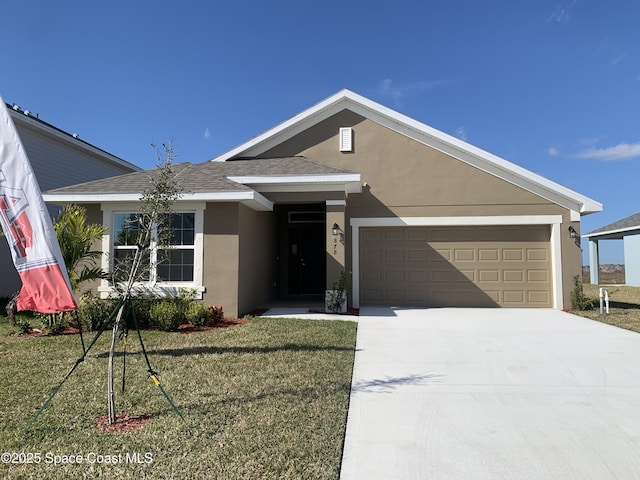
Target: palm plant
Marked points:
76	238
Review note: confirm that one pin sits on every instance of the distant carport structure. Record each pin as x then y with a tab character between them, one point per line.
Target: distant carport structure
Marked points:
628	230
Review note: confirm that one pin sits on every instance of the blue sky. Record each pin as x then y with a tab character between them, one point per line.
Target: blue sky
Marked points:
553	86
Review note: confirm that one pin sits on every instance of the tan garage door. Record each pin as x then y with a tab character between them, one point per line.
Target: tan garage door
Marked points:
456	266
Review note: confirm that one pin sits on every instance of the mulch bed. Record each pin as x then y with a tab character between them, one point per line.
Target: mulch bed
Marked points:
185	328
124	423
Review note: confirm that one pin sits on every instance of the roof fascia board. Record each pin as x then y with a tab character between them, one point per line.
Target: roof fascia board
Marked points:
611	232
289	128
290	179
66	137
422	133
347	182
251	198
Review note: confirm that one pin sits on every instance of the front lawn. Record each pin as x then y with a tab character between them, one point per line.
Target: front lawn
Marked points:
624	303
267	399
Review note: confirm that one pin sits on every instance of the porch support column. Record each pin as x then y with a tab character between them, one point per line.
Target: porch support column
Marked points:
336	259
594	262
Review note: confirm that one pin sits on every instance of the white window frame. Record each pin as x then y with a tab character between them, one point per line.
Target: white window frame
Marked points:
153	286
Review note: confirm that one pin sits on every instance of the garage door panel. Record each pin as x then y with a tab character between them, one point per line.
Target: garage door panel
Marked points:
513	254
538	276
489	276
514	297
439	255
394	275
418	276
513	275
372	296
464	255
537	255
415	256
456	266
395	296
488	254
541	298
393	234
394	256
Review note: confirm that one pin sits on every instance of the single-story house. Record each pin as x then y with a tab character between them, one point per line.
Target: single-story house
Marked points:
58	158
419	218
628	230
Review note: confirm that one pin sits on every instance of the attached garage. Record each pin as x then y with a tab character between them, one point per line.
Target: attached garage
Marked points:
456	265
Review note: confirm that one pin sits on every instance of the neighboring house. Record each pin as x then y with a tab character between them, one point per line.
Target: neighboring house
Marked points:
628	230
420	218
58	159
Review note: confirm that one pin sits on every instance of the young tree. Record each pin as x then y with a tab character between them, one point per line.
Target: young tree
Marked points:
150	226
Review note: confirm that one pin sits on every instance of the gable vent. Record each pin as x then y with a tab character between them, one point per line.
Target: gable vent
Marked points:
346	139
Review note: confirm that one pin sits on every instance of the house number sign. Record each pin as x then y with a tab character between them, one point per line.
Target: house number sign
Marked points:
335	246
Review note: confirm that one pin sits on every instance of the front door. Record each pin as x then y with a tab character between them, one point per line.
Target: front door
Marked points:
307	259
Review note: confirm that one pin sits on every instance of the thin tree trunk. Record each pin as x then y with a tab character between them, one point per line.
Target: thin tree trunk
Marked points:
110	390
12	308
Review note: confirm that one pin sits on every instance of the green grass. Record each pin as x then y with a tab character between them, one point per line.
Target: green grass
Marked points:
264	400
624	306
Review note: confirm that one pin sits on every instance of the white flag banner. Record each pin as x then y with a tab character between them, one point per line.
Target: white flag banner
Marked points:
27	226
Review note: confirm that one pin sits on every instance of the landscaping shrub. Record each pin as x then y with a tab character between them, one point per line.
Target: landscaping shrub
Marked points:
166	315
24	325
58	326
198	314
94	311
579	301
142	305
217	315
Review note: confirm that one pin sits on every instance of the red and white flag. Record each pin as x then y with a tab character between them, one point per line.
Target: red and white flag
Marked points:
27	226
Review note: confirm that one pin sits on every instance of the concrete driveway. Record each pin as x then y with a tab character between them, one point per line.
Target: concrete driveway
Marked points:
477	394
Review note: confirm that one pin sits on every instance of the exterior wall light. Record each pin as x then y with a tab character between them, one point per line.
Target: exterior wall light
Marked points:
573	233
335	229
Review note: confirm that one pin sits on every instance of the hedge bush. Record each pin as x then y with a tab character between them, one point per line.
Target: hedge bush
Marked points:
166	315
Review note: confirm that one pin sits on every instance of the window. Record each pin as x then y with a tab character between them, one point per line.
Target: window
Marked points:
172	262
176	264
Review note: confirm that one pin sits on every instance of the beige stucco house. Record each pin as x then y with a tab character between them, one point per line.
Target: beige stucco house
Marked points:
420	218
58	158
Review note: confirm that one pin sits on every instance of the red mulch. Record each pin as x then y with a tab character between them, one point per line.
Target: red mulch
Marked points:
124	423
185	328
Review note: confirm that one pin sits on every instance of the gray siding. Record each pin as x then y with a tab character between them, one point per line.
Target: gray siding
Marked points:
58	163
58	160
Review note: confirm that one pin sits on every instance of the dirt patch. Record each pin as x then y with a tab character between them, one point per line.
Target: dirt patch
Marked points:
124	423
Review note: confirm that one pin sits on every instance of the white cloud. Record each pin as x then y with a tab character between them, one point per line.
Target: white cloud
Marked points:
207	133
461	133
618	59
623	151
553	152
561	13
399	93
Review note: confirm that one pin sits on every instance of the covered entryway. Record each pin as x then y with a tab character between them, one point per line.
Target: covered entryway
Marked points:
302	250
460	266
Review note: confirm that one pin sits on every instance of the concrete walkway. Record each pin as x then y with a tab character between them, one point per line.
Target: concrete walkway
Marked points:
475	394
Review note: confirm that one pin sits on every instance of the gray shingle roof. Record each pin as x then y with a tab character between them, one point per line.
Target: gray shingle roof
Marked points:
204	177
628	223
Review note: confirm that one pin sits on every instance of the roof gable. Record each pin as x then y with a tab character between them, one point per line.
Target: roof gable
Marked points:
346	99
